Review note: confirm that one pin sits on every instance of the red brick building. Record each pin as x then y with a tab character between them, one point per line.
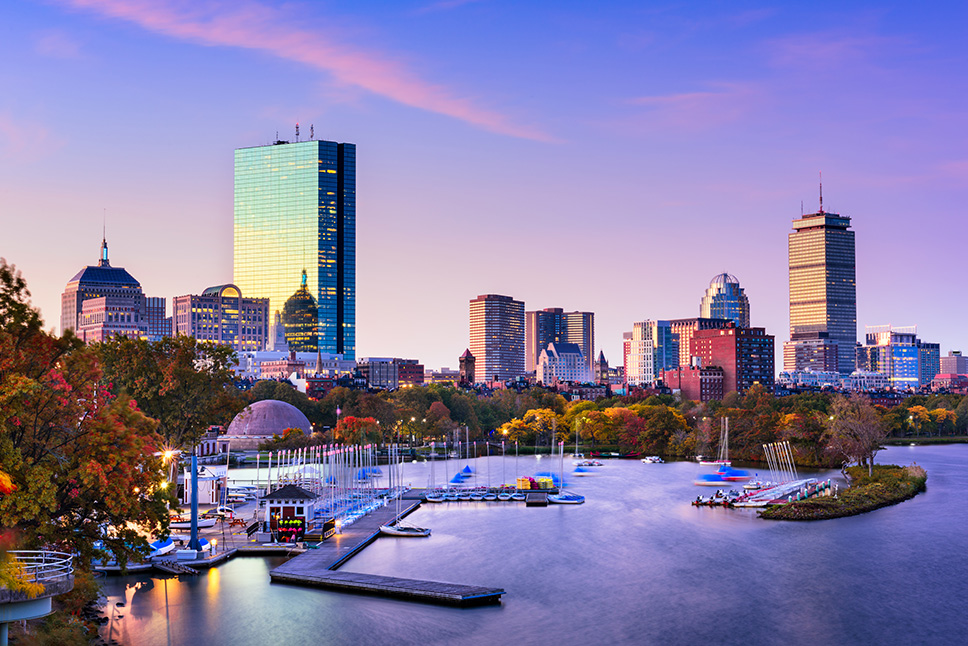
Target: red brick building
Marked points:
746	356
410	372
695	383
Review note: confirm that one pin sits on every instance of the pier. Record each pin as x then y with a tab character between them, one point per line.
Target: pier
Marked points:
316	567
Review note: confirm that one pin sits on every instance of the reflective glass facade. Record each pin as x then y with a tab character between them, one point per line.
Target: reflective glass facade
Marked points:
725	299
497	337
823	286
295	209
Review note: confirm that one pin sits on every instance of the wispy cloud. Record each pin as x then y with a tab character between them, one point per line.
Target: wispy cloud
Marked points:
696	111
445	5
828	50
21	138
271	30
56	43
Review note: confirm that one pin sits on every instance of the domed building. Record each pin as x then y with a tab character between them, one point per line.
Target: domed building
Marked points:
300	317
725	299
263	419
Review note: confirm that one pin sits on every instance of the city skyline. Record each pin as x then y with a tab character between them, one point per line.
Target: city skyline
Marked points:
699	131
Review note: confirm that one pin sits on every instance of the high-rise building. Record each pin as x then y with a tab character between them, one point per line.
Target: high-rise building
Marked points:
295	210
497	337
554	325
103	280
725	299
222	315
823	293
892	351
654	347
159	323
929	358
685	328
746	356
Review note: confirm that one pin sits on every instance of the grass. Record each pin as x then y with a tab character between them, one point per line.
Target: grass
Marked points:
889	485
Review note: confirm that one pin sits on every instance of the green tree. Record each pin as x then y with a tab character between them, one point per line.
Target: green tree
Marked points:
184	384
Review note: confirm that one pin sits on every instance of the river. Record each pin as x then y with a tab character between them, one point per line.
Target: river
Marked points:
636	564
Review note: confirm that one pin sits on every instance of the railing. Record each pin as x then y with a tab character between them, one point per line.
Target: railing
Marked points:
41	565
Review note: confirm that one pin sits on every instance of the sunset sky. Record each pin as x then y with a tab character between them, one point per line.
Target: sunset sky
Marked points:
607	157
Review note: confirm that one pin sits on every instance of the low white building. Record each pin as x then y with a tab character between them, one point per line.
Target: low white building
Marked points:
562	362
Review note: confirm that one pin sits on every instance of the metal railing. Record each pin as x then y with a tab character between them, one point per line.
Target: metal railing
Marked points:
43	565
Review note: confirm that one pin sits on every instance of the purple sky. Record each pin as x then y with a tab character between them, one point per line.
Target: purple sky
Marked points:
611	161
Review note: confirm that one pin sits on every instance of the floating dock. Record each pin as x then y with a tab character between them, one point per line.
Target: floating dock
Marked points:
316	566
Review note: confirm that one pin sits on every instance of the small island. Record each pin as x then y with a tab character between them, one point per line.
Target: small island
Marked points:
870	489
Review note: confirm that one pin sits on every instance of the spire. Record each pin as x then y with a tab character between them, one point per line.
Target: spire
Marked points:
103	260
319	362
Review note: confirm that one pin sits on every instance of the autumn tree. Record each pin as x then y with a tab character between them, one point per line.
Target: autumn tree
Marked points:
357	430
515	430
919	415
855	430
80	461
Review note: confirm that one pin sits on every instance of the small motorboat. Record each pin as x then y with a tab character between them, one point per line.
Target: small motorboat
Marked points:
652	459
160	548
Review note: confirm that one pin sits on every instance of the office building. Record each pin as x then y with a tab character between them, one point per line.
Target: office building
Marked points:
894	352
126	300
725	299
744	354
554	325
159	323
222	315
497	337
702	384
823	294
653	347
685	328
295	210
929	358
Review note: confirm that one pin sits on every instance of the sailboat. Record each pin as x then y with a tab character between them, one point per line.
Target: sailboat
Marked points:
397	528
433	495
564	497
723	459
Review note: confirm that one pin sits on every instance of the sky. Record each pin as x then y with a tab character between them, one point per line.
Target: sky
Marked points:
610	160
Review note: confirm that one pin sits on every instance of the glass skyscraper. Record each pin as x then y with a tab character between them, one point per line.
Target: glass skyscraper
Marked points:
295	210
725	299
823	295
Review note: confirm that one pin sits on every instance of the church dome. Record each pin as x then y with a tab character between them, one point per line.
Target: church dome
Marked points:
300	319
266	418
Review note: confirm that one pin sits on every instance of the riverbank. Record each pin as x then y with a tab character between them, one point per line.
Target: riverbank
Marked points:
925	439
889	485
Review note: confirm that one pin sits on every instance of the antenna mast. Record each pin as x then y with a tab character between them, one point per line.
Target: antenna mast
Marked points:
297	132
821	191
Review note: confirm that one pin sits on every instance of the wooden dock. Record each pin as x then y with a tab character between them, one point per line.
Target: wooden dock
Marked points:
315	567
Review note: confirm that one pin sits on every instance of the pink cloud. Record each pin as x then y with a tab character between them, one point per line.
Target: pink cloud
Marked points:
694	111
258	27
55	43
830	50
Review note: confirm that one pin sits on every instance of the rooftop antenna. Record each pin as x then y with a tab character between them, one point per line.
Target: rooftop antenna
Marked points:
312	135
297	132
801	208
821	191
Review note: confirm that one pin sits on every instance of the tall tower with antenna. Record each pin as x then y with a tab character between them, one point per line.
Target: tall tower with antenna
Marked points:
823	294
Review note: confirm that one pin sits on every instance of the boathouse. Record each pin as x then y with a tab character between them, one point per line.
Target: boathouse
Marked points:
289	510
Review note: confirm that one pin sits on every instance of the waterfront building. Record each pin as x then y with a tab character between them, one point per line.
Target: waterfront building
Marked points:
554	325
122	309
695	382
953	364
222	315
685	328
562	362
497	337
745	355
295	209
653	347
823	294
725	299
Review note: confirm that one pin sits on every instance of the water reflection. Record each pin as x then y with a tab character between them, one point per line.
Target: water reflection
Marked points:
635	564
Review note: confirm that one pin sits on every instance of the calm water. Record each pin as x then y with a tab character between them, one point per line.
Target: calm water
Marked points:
635	564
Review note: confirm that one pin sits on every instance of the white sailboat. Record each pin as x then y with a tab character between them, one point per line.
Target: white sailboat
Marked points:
564	497
723	459
397	527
